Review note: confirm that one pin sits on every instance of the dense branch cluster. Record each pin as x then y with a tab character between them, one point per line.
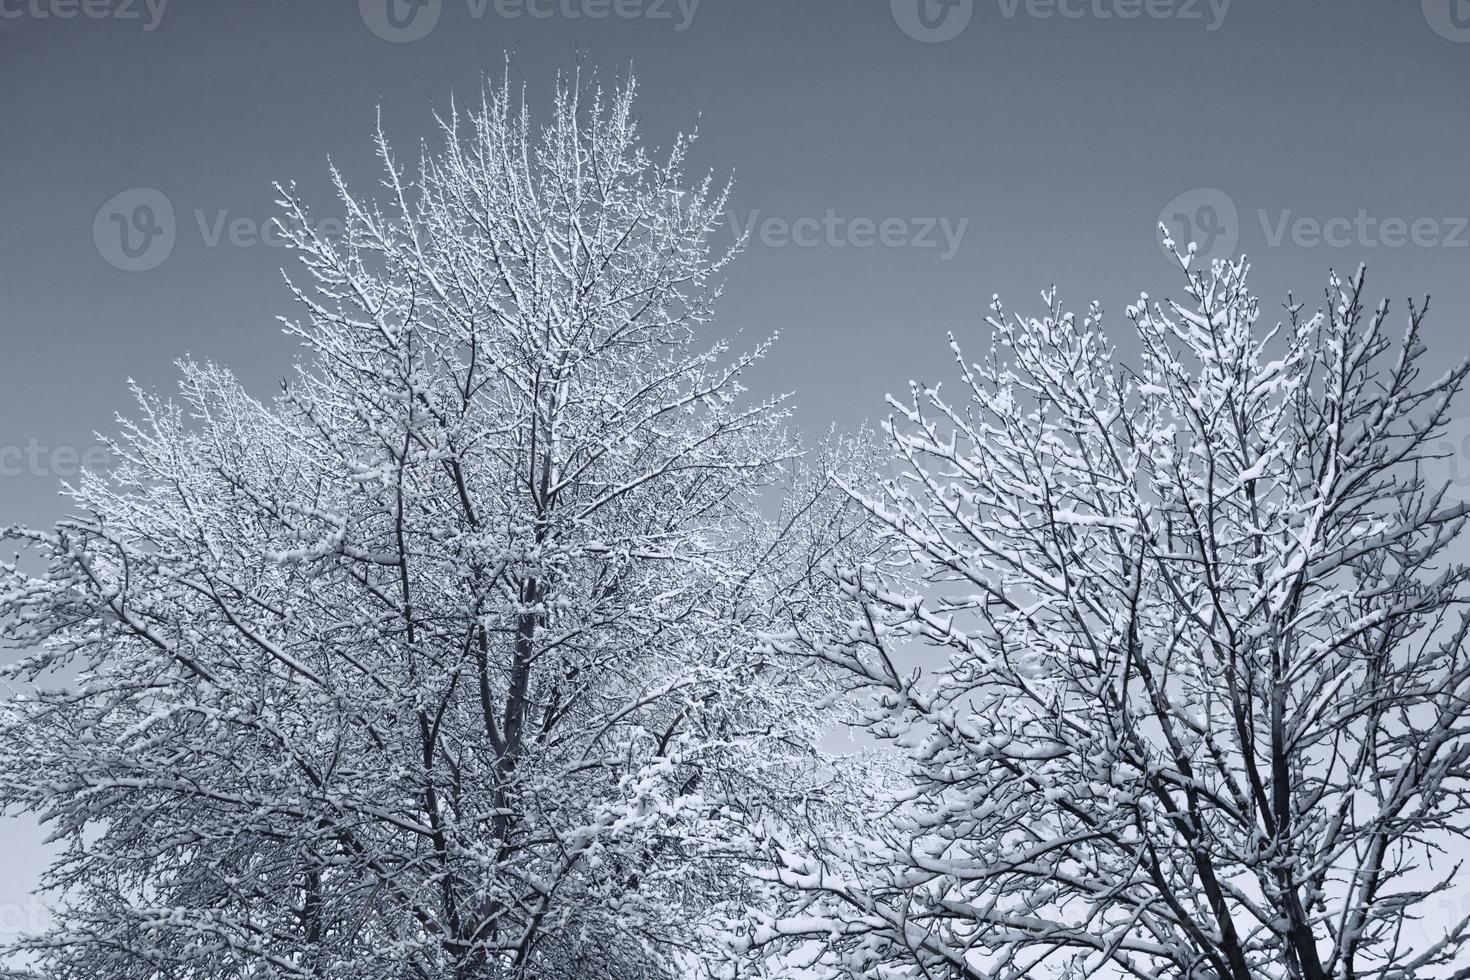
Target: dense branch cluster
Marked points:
1204	704
436	664
507	639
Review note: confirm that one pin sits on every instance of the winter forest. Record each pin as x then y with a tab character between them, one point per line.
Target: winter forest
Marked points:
515	636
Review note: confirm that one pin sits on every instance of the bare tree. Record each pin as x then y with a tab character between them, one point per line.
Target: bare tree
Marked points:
1201	703
444	662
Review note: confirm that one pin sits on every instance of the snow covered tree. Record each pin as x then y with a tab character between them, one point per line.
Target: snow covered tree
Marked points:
444	662
1197	690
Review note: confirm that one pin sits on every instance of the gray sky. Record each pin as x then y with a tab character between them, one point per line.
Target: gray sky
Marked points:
897	166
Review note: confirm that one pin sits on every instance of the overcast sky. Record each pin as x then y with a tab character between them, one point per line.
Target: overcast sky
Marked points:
897	163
